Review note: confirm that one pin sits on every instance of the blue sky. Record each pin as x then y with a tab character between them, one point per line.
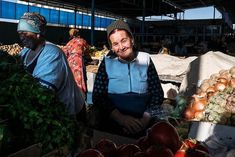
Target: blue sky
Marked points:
198	13
202	13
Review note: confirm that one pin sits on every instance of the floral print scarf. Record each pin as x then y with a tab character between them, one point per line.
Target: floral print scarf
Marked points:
74	51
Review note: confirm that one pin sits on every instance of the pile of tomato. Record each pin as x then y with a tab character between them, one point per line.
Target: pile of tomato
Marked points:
161	140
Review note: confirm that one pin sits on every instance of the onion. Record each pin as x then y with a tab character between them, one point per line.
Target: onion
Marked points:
198	106
202	95
232	70
220	86
199	115
199	103
222	80
200	98
226	76
204	86
198	90
223	71
233	75
214	76
210	94
205	81
212	82
211	89
232	83
189	113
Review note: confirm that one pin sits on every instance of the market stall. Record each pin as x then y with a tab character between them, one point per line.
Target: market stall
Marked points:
214	131
209	88
182	80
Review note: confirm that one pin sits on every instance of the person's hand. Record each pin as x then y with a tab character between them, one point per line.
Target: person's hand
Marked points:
145	119
130	124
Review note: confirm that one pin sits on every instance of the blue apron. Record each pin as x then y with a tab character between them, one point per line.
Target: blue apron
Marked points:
133	104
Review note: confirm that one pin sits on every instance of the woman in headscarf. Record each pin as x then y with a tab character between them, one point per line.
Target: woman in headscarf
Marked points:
127	88
75	51
47	62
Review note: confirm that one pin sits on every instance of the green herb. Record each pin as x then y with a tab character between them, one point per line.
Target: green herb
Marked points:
35	115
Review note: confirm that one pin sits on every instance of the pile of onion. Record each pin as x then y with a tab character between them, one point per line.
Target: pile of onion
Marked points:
209	87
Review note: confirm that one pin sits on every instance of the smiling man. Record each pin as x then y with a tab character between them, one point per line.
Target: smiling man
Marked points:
47	63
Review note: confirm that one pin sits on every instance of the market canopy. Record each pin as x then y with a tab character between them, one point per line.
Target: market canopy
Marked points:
134	8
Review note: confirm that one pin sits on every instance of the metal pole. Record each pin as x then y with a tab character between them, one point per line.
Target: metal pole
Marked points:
92	21
214	13
143	22
75	17
28	6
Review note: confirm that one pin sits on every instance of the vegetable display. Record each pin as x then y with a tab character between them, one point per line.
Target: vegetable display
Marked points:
161	140
215	99
32	112
13	49
192	148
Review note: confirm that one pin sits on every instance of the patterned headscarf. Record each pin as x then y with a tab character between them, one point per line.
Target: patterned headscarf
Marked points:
32	22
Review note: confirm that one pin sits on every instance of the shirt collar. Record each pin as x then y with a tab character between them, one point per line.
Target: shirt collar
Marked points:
113	55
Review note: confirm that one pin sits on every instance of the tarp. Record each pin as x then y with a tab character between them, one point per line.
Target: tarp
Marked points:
171	65
171	71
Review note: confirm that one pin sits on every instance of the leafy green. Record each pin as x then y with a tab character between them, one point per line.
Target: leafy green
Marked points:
181	103
34	113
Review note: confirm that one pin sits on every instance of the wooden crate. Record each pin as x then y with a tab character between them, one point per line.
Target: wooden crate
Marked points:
31	151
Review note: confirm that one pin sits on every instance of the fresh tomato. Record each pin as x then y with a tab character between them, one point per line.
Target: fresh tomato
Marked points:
189	143
192	148
193	144
180	153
